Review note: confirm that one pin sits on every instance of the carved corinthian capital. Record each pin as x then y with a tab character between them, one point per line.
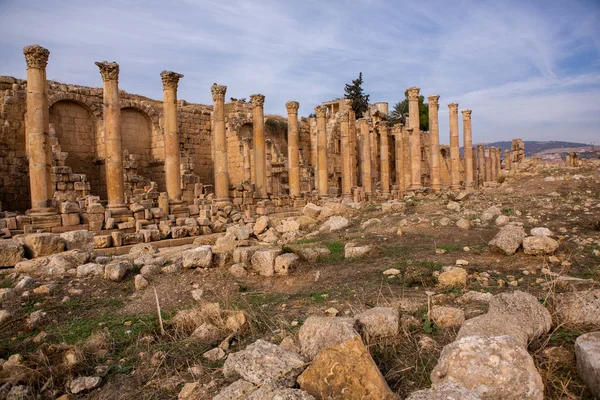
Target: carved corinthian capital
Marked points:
108	70
453	107
434	101
320	111
466	113
36	56
413	93
257	100
218	92
170	79
292	107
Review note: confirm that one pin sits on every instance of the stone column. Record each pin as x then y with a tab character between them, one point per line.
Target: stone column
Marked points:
322	151
220	143
293	148
480	164
468	148
488	165
260	155
345	152
493	171
246	153
434	136
407	157
454	148
498	162
366	155
170	81
399	148
507	159
415	137
115	184
37	131
347	103
385	158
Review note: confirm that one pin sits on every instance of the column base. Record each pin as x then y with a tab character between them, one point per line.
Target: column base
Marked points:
117	207
41	212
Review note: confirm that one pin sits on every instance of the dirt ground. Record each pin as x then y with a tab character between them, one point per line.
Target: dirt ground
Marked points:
137	361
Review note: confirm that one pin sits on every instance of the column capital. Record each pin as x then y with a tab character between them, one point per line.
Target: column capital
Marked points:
453	107
108	70
466	113
218	92
413	93
170	79
434	100
257	100
292	107
320	111
480	146
36	56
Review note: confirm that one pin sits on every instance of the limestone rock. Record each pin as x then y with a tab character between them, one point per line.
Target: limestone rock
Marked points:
79	240
263	362
116	270
140	282
508	240
578	308
4	316
353	251
312	254
502	220
200	257
453	206
37	319
215	354
587	352
18	392
288	226
331	208
270	236
334	223
537	245
447	317
285	262
90	269
445	391
85	384
493	367
463	223
102	241
541	231
312	210
305	223
11	252
272	392
263	261
346	369
453	277
237	390
142	248
238	270
378	322
43	244
491	213
318	333
262	224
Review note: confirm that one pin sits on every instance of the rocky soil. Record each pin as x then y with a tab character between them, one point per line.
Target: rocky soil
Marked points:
490	294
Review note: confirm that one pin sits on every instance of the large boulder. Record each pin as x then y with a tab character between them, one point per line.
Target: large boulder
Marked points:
262	224
508	240
578	308
263	261
490	214
11	252
79	240
539	245
334	223
43	244
263	362
445	391
587	352
201	257
343	371
378	322
331	208
493	367
312	210
318	333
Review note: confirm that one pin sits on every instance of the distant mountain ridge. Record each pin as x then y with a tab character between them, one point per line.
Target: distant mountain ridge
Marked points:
535	147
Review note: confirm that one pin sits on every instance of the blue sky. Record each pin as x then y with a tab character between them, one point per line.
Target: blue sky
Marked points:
527	69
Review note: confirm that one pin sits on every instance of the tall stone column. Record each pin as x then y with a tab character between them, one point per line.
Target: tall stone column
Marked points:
345	152
507	159
480	165
488	165
366	155
170	81
407	157
246	153
37	131
493	171
399	148
293	148
352	141
322	151
415	137
260	154
115	184
468	148
498	162
220	143
385	158
454	148
434	136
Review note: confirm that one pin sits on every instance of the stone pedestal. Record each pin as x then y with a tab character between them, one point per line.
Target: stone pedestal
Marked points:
260	151
366	155
322	151
468	148
415	138
385	158
293	148
454	148
115	186
170	81
434	137
346	160
38	147
220	144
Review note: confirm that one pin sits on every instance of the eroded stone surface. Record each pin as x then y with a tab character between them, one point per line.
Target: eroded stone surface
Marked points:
318	333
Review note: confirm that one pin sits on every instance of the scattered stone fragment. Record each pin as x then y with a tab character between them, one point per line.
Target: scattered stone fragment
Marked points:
43	244
508	240
447	317
587	352
463	223
318	333
392	271
79	240
502	220
273	392
445	391
140	282
541	232
263	261
578	308
311	210
215	354
538	245
334	223
200	257
116	270
85	384
378	322
453	277
90	269
237	390
11	252
286	262
353	251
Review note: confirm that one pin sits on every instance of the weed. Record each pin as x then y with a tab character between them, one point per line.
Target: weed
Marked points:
508	211
306	241
394	251
337	253
318	297
449	247
6	283
287	249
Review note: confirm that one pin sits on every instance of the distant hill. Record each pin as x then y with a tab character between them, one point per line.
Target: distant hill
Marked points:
535	147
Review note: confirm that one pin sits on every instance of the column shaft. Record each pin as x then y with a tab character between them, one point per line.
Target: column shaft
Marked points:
366	155
399	148
322	151
434	136
385	158
220	143
407	159
415	137
170	81
488	165
454	148
345	151
260	154
507	159
293	148
246	153
468	148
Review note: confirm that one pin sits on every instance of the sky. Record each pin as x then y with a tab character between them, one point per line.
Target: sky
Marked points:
527	68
